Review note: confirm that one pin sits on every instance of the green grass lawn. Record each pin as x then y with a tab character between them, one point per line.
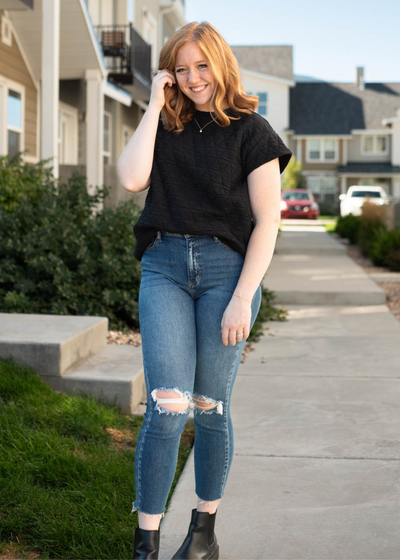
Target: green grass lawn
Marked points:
67	470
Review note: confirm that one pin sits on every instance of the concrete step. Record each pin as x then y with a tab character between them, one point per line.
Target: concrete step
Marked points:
71	354
51	344
385	276
306	279
313	268
308	240
115	374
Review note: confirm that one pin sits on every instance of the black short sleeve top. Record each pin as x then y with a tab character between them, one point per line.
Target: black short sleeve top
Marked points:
198	182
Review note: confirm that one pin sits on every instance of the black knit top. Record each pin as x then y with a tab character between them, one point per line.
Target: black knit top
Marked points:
199	180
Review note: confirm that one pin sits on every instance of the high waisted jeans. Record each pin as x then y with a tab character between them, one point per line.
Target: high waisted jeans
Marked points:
187	282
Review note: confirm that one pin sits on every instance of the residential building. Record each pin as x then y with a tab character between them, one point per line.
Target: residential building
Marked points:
267	71
346	134
75	79
342	133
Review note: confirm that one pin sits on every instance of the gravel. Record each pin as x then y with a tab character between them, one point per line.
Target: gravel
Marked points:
391	289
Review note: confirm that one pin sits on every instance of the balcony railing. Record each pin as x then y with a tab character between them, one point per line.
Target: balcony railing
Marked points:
125	51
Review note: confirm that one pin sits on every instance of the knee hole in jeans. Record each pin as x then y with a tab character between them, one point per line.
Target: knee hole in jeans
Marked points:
172	401
207	405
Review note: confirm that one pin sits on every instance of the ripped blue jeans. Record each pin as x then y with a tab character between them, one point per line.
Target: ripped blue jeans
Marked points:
186	284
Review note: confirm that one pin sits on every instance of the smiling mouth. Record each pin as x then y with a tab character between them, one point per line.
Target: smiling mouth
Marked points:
198	90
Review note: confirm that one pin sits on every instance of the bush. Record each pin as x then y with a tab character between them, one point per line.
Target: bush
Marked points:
19	180
368	233
372	224
347	227
385	250
58	256
327	209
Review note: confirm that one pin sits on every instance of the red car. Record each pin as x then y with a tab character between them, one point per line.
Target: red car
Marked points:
299	203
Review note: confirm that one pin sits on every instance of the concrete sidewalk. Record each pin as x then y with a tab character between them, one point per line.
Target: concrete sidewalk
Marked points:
316	415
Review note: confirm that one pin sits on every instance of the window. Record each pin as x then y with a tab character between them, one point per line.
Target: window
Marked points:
14	122
314	147
363	194
295	195
324	188
322	150
107	139
374	145
329	150
262	102
368	144
127	132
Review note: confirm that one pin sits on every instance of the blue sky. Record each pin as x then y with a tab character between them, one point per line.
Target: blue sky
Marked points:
329	39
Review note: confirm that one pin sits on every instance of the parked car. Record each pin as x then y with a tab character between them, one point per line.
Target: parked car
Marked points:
351	202
299	203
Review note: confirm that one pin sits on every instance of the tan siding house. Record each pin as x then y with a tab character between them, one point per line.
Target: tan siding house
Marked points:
14	72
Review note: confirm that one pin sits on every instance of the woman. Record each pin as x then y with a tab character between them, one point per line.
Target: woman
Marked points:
205	239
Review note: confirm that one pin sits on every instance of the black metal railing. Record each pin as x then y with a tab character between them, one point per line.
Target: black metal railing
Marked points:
140	54
125	51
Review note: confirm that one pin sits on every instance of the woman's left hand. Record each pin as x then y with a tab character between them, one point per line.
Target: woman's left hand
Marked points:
236	320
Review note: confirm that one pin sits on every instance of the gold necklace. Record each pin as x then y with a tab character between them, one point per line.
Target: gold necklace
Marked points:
201	128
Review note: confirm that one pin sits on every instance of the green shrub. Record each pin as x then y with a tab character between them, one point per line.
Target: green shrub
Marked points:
327	209
368	232
385	250
19	180
347	227
58	256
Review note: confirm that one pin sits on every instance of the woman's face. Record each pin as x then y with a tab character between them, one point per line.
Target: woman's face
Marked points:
193	73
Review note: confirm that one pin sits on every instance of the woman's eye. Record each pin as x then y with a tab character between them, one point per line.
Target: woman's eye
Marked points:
179	69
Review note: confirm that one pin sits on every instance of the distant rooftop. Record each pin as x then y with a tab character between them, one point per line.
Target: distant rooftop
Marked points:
337	108
274	60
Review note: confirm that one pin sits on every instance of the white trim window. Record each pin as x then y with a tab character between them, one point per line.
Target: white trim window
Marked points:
322	150
107	138
374	145
127	132
67	134
262	108
323	187
15	119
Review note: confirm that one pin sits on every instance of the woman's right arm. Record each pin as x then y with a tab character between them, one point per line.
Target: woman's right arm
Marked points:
135	163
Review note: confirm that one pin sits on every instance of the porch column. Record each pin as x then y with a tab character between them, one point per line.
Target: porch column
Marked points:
94	129
50	81
343	188
3	120
396	155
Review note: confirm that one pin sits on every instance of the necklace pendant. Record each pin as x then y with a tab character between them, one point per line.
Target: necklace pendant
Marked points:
201	130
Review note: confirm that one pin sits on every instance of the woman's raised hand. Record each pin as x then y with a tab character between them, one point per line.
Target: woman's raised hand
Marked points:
163	77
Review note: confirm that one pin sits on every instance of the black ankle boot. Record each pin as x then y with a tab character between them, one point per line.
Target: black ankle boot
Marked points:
200	542
146	544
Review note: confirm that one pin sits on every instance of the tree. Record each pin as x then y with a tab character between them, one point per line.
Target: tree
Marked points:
293	177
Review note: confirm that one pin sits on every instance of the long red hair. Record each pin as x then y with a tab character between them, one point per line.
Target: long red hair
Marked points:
178	108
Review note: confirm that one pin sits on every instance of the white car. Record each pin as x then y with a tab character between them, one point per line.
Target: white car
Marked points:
356	195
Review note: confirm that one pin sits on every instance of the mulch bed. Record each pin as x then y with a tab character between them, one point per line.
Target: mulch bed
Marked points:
391	289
